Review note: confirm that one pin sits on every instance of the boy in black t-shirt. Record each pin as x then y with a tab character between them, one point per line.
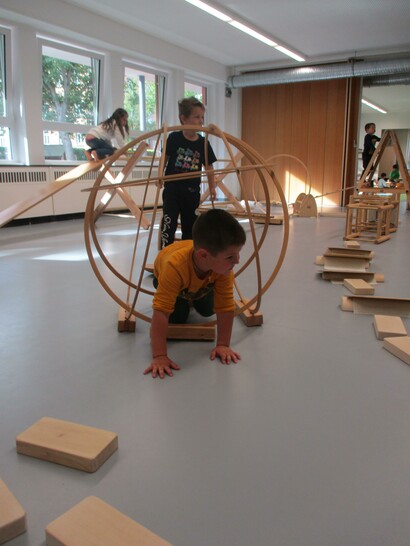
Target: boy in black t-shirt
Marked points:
185	153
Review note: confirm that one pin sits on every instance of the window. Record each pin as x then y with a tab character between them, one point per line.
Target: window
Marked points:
196	90
5	141
143	100
69	100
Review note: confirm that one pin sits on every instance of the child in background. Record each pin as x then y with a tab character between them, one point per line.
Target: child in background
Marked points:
185	153
383	181
197	273
369	145
394	175
111	131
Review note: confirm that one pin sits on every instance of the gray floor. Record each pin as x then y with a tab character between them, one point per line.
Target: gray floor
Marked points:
305	442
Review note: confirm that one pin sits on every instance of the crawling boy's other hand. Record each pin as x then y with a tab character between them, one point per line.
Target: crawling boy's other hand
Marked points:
161	365
225	354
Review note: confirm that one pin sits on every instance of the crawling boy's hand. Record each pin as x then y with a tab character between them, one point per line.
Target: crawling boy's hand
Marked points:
225	354
161	365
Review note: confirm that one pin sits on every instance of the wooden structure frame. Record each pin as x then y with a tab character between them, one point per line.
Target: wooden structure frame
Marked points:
134	287
389	136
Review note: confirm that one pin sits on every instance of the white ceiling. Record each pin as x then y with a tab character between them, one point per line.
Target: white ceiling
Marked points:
320	31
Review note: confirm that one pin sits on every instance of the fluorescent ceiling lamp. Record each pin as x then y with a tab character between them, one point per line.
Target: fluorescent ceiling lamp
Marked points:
371	105
253	33
289	53
244	28
210	10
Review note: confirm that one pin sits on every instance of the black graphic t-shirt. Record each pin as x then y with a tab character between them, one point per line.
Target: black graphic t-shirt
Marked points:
187	156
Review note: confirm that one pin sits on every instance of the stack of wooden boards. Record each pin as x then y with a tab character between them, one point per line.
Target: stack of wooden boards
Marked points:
91	522
340	264
351	266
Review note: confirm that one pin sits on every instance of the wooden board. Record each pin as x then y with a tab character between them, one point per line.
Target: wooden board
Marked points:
50	189
93	522
340	276
12	515
333	263
69	444
197	332
388	326
399	346
355	253
359	286
374	305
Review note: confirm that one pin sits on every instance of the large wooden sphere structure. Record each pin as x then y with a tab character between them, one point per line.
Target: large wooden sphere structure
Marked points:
131	281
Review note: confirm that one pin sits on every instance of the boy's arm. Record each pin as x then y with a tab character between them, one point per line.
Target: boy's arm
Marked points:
160	364
223	350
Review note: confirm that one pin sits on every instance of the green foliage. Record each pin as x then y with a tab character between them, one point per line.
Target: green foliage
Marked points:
132	104
68	91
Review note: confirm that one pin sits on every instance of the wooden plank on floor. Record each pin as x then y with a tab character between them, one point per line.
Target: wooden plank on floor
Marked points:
196	332
375	305
12	515
66	443
93	522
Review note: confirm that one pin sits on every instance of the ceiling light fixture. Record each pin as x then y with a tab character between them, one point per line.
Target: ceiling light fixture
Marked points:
371	105
210	10
253	33
290	53
243	28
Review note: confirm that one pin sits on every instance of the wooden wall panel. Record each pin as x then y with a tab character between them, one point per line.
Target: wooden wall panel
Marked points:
305	120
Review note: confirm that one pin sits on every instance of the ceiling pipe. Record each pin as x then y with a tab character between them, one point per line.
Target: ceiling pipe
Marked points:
394	79
351	69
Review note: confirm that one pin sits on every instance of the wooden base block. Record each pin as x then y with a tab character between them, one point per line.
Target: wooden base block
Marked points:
249	318
320	260
12	515
69	444
349	253
388	326
125	324
341	263
399	346
93	522
374	305
359	286
197	332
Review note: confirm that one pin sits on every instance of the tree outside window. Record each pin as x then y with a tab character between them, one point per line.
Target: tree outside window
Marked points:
69	101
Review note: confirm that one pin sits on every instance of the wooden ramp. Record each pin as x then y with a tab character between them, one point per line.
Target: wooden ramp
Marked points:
52	188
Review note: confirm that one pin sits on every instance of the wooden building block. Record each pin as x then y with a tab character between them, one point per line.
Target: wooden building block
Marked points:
93	522
249	318
69	444
320	260
351	244
349	253
388	326
359	286
375	305
399	346
12	515
125	323
196	332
